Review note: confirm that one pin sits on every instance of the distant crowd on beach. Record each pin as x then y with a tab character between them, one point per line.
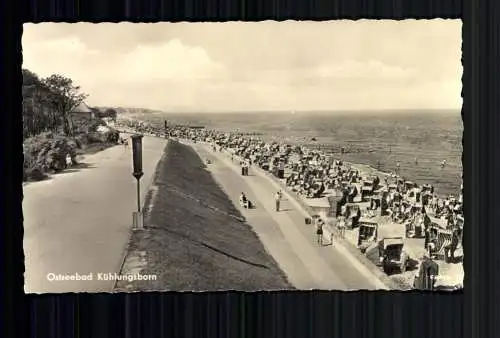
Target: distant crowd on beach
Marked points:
313	174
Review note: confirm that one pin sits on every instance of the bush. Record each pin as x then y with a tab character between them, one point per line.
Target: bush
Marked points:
34	174
93	138
112	136
46	155
84	125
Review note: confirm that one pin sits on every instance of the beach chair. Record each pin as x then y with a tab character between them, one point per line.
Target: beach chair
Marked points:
444	238
391	250
367	233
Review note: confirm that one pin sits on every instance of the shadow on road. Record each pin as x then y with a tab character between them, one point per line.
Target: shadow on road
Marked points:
76	168
456	260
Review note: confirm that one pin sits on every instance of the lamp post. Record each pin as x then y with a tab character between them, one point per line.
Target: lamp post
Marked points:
443	164
138	222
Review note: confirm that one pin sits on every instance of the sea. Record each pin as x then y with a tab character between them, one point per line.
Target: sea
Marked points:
418	140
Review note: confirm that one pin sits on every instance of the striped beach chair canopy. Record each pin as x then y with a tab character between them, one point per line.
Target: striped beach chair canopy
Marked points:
444	239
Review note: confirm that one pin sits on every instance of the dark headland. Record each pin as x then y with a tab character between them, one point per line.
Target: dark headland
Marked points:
196	239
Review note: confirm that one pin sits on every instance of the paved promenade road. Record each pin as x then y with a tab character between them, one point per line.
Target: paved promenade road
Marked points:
79	221
284	234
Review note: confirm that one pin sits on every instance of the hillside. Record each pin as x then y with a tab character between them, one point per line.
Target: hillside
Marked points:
197	239
129	111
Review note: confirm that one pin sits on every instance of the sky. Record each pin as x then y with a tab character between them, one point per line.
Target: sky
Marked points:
264	66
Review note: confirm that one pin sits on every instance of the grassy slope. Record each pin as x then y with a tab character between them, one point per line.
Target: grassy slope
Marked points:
197	239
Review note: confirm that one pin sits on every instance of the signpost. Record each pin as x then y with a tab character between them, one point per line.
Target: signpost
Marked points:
137	173
439	177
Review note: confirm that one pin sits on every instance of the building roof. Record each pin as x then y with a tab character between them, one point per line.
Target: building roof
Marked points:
81	108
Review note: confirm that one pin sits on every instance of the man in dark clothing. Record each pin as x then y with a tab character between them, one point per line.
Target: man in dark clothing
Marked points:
427	236
319	230
450	249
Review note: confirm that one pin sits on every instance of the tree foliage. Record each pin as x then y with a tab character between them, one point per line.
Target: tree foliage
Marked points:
47	103
37	115
110	112
63	96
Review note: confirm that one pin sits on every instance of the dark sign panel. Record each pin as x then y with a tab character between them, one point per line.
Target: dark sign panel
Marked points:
137	155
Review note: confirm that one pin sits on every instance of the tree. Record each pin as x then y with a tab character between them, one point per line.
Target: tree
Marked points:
30	78
63	96
110	113
37	116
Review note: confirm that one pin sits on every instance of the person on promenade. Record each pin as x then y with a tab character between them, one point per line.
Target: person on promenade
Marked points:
243	200
243	171
246	165
277	198
69	161
319	230
449	251
341	226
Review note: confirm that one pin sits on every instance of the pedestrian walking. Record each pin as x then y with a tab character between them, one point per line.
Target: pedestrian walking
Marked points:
319	230
341	226
277	198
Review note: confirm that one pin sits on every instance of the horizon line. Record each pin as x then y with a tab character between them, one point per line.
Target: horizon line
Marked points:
287	111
